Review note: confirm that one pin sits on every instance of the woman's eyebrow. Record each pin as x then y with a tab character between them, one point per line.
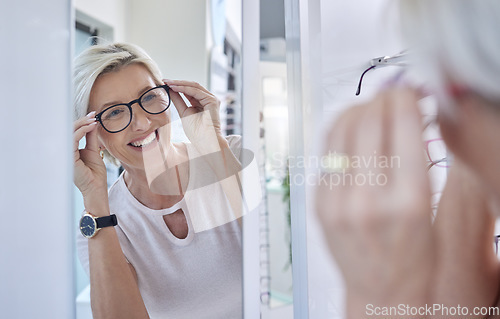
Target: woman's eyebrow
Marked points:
144	89
147	87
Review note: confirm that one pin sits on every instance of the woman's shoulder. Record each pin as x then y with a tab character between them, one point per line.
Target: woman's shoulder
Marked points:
118	188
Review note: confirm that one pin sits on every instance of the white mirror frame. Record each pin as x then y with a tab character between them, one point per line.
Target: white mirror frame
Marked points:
303	56
250	118
296	151
36	168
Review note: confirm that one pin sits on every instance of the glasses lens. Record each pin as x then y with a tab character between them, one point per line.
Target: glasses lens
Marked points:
155	100
116	118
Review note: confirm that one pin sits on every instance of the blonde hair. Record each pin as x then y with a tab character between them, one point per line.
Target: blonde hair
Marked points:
458	40
101	59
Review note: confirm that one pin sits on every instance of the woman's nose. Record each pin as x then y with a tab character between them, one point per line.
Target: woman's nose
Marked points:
140	119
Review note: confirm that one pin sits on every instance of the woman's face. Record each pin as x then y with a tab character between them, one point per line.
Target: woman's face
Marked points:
146	132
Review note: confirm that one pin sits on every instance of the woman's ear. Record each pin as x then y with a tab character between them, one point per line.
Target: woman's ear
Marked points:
100	143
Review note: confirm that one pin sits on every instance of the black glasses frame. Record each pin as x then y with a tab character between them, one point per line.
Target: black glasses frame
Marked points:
495	239
397	60
129	105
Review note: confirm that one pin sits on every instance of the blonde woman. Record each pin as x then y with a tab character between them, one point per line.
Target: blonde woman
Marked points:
164	242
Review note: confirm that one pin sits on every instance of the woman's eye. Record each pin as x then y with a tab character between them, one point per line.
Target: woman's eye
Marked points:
113	113
148	97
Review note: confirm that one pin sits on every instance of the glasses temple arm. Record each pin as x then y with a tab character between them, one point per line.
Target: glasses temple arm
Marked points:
361	79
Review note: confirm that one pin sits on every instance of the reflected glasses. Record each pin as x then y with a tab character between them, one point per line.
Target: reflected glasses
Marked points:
118	117
436	153
495	239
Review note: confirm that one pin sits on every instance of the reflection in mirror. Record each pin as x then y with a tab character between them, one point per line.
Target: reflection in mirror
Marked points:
200	43
275	131
276	256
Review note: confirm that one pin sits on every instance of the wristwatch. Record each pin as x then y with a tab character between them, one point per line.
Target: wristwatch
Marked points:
90	225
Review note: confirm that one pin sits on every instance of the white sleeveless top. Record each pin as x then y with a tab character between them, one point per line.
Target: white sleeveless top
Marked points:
199	276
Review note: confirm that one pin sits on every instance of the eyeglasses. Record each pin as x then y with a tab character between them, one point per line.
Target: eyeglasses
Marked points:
436	153
397	60
118	117
495	240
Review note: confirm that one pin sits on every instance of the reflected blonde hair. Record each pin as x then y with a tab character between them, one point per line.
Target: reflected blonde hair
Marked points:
101	59
457	40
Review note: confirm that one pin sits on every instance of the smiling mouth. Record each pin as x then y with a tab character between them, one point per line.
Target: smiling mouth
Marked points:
146	141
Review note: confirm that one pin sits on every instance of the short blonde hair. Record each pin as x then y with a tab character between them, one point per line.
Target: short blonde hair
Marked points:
458	40
101	59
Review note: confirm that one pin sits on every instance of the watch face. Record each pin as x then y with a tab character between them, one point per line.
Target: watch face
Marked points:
87	226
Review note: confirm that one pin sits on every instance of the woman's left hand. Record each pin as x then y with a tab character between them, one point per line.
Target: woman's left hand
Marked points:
201	120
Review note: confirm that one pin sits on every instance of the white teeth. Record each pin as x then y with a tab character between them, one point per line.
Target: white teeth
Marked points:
150	138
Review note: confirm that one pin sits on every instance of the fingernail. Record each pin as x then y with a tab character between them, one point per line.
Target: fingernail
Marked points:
168	80
91	114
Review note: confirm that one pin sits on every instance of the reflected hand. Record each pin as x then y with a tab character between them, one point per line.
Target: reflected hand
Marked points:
201	120
379	231
90	171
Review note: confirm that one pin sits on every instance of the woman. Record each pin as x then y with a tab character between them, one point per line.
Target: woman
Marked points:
381	236
169	244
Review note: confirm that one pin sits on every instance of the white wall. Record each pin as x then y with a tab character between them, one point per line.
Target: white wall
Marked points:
35	164
114	13
234	15
174	34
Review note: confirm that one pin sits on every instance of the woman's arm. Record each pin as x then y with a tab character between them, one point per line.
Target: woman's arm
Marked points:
466	265
114	289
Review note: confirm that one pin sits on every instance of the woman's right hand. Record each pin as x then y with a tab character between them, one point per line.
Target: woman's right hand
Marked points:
379	230
90	171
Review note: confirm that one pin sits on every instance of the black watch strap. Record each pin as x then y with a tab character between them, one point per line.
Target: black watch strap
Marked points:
106	221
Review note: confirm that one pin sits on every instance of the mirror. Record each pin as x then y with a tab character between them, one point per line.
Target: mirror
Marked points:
277	267
276	245
198	41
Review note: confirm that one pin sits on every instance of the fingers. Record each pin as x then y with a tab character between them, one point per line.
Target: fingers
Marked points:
92	141
198	96
194	102
369	142
187	83
191	89
406	145
369	226
406	139
179	103
82	127
383	142
82	131
202	97
89	118
331	194
370	139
